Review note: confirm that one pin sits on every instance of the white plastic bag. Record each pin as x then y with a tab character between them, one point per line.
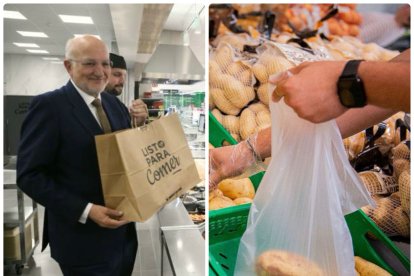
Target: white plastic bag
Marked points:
300	205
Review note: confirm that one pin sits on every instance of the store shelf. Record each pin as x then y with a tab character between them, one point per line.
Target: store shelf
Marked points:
152	99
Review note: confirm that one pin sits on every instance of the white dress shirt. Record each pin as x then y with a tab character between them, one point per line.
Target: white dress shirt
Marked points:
88	100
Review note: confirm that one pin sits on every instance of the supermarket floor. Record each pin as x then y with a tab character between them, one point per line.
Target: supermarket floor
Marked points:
147	262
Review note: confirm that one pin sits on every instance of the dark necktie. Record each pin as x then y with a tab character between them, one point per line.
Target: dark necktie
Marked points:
106	127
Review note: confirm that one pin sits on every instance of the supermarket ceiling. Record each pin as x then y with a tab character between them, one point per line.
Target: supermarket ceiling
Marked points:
132	30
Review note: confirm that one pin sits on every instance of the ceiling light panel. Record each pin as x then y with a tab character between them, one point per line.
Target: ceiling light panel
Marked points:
76	19
32	34
28	45
37	51
14	15
51	58
97	36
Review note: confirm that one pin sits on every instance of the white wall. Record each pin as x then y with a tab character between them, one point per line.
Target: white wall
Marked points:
31	75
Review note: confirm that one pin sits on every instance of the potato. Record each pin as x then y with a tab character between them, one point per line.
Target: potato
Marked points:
366	268
214	71
283	263
235	68
263	94
234	188
259	71
242	200
248	124
224	55
222	102
231	123
257	107
220	202
214	193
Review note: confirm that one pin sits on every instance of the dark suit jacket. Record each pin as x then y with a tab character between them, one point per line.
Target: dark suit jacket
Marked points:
57	166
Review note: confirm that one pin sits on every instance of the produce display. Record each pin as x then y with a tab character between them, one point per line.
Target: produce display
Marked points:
391	194
240	64
243	56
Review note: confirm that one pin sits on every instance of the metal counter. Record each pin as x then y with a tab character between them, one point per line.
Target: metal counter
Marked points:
182	240
174	214
185	251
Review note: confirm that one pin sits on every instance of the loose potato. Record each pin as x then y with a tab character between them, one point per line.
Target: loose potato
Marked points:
366	268
234	188
215	193
220	202
242	200
283	263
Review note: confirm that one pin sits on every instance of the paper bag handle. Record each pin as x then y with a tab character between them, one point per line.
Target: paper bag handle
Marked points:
134	123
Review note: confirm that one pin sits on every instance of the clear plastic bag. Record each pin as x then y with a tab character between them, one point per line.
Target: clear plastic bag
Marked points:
300	205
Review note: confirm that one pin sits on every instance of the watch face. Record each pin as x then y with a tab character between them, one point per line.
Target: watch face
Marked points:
345	94
351	92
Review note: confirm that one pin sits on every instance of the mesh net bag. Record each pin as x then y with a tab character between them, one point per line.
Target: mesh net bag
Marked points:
253	119
248	124
401	151
374	183
354	144
230	79
231	123
390	183
237	41
404	184
389	215
400	165
270	62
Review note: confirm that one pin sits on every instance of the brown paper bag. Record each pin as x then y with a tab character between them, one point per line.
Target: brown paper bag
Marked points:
143	169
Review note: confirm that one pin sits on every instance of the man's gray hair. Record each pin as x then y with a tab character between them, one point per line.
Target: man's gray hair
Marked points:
70	43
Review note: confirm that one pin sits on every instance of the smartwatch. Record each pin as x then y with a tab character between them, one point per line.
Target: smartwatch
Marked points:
350	87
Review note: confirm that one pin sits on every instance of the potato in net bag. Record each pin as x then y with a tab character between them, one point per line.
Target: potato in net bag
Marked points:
300	205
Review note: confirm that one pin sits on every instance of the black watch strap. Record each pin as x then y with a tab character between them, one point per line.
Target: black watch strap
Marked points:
350	86
351	68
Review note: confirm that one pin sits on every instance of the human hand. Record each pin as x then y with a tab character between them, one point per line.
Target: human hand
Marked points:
228	161
310	90
105	217
402	16
139	112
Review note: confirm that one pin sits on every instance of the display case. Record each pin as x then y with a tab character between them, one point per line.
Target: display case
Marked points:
155	107
190	108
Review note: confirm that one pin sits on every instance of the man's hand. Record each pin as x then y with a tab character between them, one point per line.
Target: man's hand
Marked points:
105	217
139	112
310	90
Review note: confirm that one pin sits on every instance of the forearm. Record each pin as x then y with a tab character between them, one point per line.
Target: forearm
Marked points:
357	119
262	142
387	84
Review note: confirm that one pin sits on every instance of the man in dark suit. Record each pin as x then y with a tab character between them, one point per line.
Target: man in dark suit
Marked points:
57	166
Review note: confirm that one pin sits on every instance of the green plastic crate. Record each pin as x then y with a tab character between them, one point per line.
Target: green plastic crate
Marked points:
217	133
226	227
